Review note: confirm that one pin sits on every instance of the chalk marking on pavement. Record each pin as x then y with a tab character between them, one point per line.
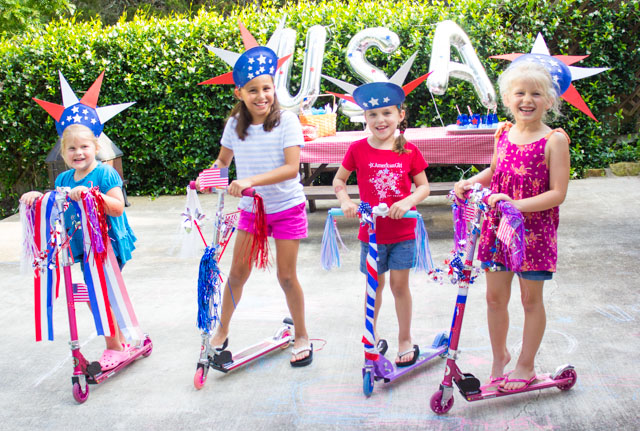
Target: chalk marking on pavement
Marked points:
61	363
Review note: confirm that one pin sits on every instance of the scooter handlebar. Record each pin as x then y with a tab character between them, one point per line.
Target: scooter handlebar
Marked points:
251	192
338	212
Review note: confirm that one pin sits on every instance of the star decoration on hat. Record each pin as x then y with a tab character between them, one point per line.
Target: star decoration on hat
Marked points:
561	71
243	64
71	109
392	92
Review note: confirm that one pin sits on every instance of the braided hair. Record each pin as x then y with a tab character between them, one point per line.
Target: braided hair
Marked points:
400	142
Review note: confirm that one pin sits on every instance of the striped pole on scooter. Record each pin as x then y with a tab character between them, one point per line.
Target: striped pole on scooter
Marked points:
370	349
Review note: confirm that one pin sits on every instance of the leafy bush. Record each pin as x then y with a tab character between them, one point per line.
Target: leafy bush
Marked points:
173	130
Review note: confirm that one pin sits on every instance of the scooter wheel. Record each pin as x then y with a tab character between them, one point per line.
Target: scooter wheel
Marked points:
286	334
436	403
78	394
367	383
199	379
146	343
568	374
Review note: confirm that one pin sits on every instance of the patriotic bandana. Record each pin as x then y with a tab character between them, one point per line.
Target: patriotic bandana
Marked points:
255	61
84	111
380	94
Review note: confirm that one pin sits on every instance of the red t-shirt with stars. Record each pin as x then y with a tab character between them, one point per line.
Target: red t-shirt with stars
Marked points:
385	176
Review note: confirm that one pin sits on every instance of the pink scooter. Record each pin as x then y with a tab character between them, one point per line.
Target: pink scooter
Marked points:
87	373
441	401
221	359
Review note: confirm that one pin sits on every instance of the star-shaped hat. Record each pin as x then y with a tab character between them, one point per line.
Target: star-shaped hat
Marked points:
84	111
255	61
561	71
375	95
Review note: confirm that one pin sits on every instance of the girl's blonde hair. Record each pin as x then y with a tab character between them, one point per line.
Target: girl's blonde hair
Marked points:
77	131
533	72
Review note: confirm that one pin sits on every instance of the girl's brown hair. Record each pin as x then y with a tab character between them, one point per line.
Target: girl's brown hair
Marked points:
400	142
243	116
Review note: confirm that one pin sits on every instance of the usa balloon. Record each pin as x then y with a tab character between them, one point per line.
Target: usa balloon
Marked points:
383	39
311	68
449	34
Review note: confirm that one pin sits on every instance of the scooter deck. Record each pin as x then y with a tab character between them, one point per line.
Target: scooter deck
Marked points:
384	369
145	350
543	381
253	352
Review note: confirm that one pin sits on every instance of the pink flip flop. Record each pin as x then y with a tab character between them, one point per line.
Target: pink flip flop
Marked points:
493	381
526	382
112	358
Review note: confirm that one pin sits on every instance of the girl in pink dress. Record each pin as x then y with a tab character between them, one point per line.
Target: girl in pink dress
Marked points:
530	169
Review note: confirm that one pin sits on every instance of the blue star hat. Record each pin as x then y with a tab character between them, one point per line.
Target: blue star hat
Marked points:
255	61
84	111
375	95
561	70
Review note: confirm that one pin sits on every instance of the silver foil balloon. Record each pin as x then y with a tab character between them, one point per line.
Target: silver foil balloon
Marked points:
383	39
448	34
311	68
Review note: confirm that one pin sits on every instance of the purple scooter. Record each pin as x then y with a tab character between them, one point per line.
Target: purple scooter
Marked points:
376	366
442	400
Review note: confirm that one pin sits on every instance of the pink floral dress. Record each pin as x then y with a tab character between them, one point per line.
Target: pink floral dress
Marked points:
521	172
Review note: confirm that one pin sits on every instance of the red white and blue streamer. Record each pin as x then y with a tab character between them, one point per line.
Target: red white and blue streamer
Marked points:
370	349
40	248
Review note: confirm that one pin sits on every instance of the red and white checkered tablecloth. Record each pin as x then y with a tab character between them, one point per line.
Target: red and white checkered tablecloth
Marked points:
436	146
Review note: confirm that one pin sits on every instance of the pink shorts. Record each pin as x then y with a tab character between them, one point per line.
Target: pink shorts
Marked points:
287	224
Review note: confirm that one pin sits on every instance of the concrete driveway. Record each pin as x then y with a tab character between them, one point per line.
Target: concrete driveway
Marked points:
593	310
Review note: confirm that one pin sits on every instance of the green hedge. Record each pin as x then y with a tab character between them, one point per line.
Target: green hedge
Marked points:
173	130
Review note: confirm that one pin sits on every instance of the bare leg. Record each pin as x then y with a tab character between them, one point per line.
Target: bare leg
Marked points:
286	261
535	321
376	308
498	295
238	276
399	282
115	343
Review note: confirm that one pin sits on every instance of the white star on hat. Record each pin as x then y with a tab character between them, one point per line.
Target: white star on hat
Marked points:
262	59
373	102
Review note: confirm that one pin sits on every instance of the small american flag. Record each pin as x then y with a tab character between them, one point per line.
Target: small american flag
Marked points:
80	293
214	177
505	231
468	212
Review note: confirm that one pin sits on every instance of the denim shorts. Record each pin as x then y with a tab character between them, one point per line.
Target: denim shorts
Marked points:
527	275
398	255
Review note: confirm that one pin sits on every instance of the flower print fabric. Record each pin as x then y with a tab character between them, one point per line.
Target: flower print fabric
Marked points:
521	172
385	176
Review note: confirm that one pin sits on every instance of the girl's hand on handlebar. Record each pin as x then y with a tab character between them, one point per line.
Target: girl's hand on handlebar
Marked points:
497	197
399	209
76	193
207	190
462	187
237	186
30	198
350	209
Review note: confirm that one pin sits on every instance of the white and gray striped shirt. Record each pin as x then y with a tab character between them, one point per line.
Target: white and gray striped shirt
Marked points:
262	152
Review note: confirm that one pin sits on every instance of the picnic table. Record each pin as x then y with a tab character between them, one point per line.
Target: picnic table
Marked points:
438	145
